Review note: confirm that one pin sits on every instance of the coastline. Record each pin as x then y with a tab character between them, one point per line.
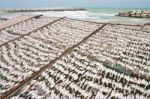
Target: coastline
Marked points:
106	15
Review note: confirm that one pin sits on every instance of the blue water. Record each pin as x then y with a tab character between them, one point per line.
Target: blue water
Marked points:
109	15
94	14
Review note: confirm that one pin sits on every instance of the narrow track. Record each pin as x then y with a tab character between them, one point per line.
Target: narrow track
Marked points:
37	16
31	32
13	91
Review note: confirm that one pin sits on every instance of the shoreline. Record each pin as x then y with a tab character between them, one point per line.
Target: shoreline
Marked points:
95	15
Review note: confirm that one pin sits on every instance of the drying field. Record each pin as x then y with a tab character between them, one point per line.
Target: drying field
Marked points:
63	58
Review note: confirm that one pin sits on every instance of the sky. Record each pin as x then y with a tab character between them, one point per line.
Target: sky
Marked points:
75	3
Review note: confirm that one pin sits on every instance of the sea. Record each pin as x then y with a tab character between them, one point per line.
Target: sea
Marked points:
104	15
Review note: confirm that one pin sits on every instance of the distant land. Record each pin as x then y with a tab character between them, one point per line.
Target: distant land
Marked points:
41	9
